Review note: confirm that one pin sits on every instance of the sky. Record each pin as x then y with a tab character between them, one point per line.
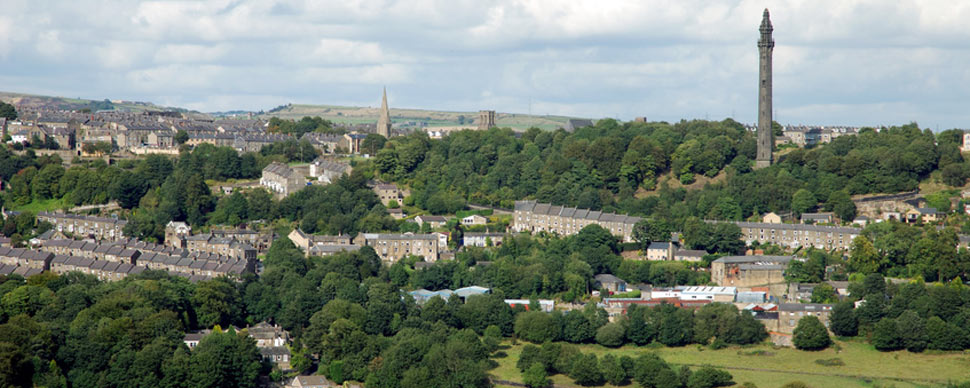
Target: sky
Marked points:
840	62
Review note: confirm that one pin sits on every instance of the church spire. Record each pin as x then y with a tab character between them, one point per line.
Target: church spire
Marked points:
384	120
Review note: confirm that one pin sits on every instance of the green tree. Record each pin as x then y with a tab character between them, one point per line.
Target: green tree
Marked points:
843	320
612	369
885	336
536	327
810	334
372	144
225	360
912	331
841	203
611	334
824	293
181	137
8	111
803	201
16	369
218	302
535	376
586	371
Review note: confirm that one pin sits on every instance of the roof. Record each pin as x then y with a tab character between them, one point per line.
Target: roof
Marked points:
433	218
800	227
659	245
690	253
710	290
312	380
607	278
396	236
805	307
755	259
465	292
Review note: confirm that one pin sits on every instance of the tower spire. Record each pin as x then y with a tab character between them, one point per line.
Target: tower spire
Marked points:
384	120
766	45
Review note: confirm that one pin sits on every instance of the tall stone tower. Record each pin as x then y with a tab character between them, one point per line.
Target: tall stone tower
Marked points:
486	119
765	137
384	121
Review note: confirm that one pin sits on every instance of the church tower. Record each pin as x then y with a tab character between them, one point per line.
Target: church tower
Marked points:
765	137
384	121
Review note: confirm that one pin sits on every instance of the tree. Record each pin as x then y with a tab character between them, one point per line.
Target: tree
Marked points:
218	302
824	293
8	111
803	201
810	334
16	369
912	331
612	369
181	137
840	203
885	336
225	360
535	376
576	328
611	334
372	144
536	327
843	320
586	371
864	257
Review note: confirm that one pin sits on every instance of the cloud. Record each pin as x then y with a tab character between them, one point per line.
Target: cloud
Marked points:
836	62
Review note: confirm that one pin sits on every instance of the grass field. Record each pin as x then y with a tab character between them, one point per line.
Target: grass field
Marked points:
38	206
770	367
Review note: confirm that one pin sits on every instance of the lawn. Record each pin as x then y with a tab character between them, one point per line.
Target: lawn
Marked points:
770	367
41	206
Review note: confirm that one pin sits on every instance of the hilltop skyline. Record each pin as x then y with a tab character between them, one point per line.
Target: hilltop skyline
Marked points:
835	63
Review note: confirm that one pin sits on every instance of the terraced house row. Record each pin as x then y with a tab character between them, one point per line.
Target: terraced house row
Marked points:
799	235
98	228
113	261
531	216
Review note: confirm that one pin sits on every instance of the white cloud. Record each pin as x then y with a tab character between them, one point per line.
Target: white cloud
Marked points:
855	62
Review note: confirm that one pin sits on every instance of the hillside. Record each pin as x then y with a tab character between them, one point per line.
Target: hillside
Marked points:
357	115
64	103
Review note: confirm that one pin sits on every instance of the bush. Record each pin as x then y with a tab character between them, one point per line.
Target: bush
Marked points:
708	377
830	362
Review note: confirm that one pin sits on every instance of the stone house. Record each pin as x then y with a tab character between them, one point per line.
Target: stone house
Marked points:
691	255
388	192
393	247
534	217
99	228
434	221
799	235
474	219
324	142
609	283
328	171
749	271
281	179
471	239
818	218
660	251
